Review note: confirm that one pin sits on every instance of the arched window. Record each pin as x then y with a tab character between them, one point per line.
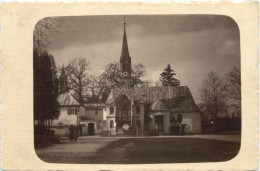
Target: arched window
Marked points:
112	124
138	109
111	110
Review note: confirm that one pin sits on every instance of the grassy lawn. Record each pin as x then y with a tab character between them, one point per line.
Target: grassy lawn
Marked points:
166	150
140	151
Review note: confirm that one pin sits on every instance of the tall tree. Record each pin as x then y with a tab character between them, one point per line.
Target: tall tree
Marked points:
167	77
45	88
138	71
211	94
78	78
97	88
112	74
232	87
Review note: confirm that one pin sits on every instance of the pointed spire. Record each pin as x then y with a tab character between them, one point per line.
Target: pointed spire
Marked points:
63	81
125	52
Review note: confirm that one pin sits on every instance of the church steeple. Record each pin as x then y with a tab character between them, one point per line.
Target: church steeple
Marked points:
63	81
125	60
125	51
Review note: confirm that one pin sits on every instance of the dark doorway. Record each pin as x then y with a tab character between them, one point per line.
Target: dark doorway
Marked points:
159	124
91	129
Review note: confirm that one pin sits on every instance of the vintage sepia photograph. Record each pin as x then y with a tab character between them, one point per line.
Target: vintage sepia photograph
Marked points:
136	89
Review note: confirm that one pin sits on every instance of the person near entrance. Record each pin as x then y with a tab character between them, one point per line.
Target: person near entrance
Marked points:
73	136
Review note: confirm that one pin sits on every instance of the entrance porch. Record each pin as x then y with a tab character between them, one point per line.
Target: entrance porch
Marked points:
160	123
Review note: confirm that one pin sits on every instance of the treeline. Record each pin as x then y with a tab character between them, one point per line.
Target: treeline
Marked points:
90	88
45	88
45	80
220	96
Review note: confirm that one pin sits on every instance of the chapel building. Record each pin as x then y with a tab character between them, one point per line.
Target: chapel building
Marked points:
146	110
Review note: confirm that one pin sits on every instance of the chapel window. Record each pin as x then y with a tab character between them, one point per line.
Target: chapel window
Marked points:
111	110
138	109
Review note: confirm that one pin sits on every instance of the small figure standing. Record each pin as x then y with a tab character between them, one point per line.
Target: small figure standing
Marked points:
73	133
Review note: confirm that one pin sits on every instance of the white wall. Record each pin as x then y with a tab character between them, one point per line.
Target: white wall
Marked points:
61	131
82	111
65	118
93	114
192	121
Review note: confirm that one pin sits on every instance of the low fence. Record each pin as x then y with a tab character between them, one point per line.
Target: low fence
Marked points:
222	125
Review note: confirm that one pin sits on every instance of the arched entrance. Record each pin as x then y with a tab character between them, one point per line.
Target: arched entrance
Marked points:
159	121
123	112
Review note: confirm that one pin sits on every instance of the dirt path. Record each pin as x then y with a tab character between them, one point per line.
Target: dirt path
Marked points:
67	152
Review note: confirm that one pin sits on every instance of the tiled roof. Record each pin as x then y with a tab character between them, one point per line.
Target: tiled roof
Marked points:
66	99
94	105
178	99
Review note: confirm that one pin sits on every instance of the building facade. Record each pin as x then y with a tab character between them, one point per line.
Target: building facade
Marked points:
89	116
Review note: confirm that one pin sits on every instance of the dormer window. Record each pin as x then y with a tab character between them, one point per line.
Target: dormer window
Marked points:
111	110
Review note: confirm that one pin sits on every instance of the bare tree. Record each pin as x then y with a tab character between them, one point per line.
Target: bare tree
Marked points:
232	87
211	94
138	71
97	87
112	74
100	86
77	77
41	34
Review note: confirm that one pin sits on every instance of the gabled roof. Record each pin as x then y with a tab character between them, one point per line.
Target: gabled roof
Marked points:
158	105
177	99
66	99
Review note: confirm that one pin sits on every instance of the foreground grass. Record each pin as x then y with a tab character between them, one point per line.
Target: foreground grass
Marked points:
153	150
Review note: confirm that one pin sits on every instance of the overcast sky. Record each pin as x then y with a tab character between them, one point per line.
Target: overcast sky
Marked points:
192	44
